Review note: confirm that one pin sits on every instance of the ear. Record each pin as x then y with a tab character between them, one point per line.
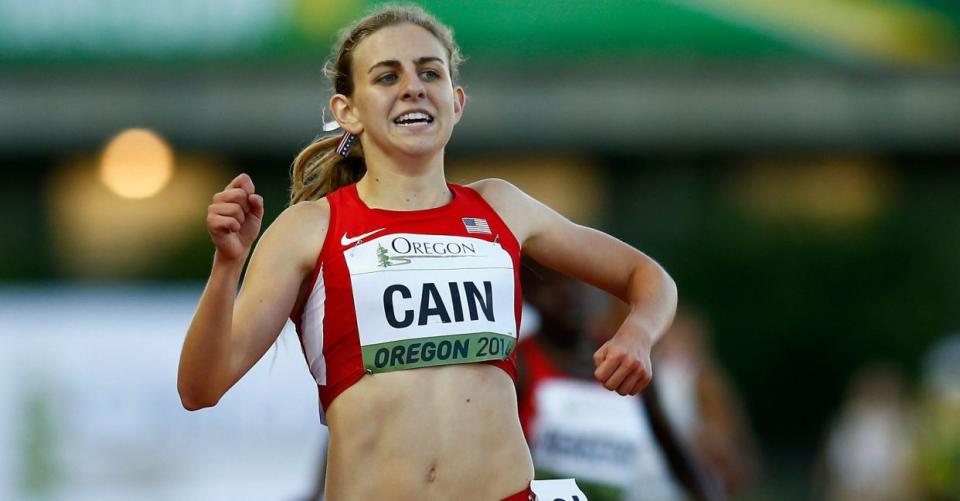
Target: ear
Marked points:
343	111
459	101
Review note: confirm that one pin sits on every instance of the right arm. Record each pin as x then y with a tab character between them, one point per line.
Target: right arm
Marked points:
231	331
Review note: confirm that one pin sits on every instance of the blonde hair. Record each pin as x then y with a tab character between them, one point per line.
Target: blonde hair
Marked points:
319	169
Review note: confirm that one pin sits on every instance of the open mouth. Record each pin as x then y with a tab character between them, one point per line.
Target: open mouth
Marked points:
413	118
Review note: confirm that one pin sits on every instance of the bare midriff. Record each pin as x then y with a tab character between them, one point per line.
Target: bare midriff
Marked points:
435	433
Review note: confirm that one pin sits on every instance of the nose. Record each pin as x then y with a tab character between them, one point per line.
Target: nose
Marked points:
413	88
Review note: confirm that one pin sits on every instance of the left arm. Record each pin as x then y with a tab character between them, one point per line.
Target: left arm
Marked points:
623	362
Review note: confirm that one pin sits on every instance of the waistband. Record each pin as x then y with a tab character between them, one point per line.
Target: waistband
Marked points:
524	495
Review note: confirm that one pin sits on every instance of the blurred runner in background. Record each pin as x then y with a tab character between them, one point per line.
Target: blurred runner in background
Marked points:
869	452
938	454
618	448
701	401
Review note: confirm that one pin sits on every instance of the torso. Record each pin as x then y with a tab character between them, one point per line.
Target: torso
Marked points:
426	434
415	424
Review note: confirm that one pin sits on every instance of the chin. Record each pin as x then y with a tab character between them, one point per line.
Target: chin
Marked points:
423	147
424	151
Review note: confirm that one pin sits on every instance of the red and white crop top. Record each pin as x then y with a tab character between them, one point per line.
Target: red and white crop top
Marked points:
397	290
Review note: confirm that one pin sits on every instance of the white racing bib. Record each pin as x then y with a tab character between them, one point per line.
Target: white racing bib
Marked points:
583	430
557	490
427	300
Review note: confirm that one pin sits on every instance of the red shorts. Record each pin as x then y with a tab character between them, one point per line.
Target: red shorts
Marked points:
524	495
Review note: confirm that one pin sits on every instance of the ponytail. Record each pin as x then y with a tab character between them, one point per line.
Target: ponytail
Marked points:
319	169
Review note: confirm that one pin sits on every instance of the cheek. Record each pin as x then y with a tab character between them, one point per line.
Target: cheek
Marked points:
448	107
369	104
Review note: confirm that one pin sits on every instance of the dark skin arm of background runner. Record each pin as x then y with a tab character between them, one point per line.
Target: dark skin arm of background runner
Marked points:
697	482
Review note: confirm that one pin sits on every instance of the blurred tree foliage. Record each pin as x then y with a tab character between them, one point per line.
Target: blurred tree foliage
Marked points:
796	309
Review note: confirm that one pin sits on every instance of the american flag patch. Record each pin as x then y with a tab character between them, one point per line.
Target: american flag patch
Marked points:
476	225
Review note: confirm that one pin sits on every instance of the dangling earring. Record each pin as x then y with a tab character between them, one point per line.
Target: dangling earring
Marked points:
346	141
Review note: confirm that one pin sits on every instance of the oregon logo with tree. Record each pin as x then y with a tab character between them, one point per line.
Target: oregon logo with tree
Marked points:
382	256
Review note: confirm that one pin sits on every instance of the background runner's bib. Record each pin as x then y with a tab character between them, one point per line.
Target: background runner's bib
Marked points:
583	429
425	300
577	428
553	490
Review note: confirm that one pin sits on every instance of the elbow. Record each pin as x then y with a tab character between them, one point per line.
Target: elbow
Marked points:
657	287
671	298
194	405
669	293
193	400
670	288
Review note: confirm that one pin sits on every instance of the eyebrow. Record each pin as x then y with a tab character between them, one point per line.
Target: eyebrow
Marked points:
393	63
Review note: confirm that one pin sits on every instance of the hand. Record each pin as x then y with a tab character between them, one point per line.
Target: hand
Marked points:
234	217
623	363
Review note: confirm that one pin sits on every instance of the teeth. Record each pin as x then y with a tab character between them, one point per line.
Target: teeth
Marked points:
413	117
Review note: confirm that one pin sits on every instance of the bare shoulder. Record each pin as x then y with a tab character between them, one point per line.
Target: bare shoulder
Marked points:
503	196
517	209
496	190
298	232
310	212
304	218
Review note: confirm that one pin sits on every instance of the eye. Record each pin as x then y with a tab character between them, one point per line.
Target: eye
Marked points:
430	74
387	78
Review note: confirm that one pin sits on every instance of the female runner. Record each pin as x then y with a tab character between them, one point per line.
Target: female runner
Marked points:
404	288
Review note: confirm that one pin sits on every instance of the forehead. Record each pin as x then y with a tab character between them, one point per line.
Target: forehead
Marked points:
403	42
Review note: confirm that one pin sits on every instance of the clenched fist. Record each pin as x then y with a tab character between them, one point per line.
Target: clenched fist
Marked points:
234	217
623	364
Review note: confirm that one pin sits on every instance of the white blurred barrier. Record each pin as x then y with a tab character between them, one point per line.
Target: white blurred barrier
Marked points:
89	407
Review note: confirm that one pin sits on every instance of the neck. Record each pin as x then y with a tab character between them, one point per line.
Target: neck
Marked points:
403	183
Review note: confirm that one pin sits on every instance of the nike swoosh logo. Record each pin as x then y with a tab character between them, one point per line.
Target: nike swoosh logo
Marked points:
345	240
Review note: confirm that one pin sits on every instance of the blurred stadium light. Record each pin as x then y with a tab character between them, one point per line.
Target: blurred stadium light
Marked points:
99	233
136	164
